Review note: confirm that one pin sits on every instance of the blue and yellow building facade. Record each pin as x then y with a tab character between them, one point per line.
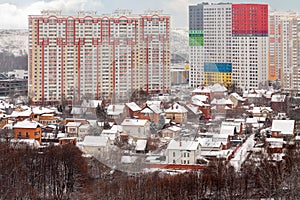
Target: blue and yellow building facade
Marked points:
217	73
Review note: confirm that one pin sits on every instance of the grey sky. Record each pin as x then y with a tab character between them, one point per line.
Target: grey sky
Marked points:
13	13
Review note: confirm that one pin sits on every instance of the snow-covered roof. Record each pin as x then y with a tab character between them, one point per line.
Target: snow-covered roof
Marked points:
200	97
259	110
128	159
183	145
84	126
134	122
286	127
202	90
147	111
118	128
250	120
221	101
156	109
91	103
217	87
174	128
133	106
27	124
141	145
194	109
176	108
157	103
278	98
95	141
75	124
209	143
41	110
25	113
78	111
227	129
237	96
115	109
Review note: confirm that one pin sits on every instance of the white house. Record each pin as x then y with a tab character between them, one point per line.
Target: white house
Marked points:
138	128
183	152
283	128
96	145
72	128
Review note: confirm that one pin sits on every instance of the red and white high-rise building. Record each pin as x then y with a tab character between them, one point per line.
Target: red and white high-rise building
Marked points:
229	41
97	56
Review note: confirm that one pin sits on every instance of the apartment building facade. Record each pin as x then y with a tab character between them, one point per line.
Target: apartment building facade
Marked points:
284	49
97	56
234	46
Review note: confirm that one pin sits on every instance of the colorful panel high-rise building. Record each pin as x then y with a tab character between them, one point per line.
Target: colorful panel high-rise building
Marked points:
235	34
97	56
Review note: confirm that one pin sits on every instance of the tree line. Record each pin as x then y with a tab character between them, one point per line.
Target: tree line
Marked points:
61	172
9	62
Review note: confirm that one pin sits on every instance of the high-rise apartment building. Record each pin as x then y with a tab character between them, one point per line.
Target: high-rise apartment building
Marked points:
97	56
284	49
228	44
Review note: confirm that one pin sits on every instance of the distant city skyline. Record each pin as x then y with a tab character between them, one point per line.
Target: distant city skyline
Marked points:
14	14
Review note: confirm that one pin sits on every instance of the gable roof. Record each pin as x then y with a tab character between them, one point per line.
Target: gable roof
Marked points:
76	124
278	98
27	124
133	106
115	109
134	122
183	145
91	103
42	110
96	141
286	127
176	108
25	113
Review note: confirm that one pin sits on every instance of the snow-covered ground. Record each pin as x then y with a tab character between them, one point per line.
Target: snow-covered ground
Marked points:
14	41
242	153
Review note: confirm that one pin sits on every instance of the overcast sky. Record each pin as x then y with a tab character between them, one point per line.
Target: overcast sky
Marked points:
14	13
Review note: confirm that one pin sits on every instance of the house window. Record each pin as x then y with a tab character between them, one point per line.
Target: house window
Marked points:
184	161
27	135
36	133
173	154
188	162
184	154
188	155
174	161
20	134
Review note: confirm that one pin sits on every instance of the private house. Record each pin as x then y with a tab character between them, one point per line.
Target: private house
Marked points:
194	113
170	132
283	129
72	128
201	101
141	146
279	103
136	128
236	127
218	91
98	146
28	129
39	111
183	152
236	99
83	130
133	109
151	112
47	119
266	112
220	107
177	113
21	115
203	91
116	113
90	107
274	145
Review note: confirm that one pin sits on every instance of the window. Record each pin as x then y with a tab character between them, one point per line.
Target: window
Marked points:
173	154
